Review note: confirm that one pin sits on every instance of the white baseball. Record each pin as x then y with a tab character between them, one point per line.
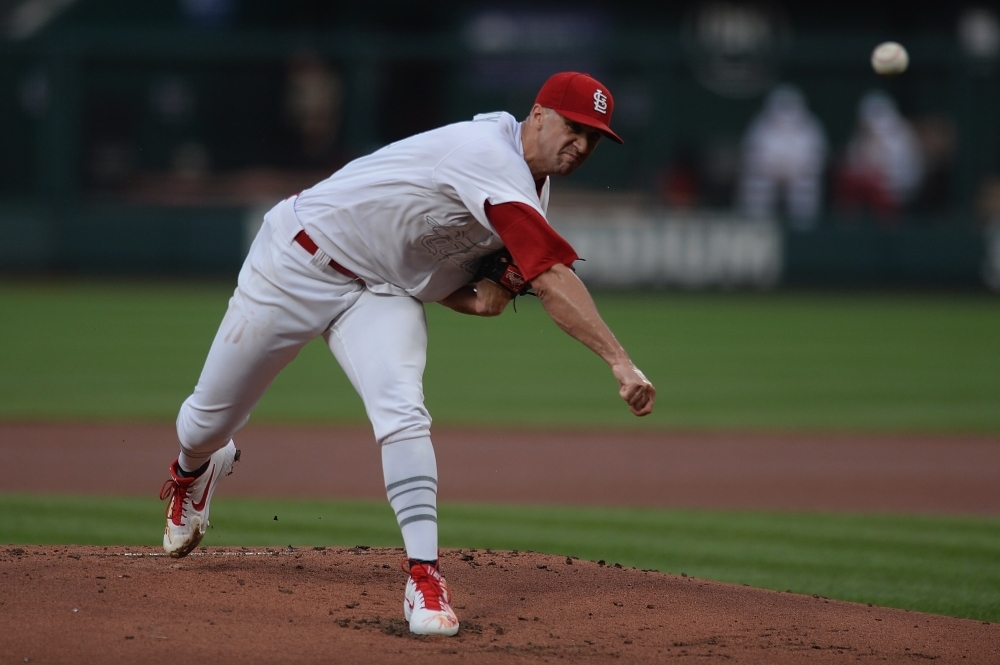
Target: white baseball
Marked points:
889	59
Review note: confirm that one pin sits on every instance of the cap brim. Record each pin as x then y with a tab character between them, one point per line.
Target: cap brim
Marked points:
587	120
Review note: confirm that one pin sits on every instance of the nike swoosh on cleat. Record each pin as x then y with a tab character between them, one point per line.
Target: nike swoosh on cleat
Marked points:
410	603
204	496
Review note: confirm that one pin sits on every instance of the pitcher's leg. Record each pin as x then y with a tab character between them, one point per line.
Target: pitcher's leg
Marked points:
242	362
410	471
381	342
282	302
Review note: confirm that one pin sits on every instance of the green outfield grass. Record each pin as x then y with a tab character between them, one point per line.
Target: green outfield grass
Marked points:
114	351
939	565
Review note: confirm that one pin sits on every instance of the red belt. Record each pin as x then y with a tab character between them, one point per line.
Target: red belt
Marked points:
307	243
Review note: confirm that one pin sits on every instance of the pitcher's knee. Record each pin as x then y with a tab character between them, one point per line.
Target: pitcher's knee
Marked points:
403	420
403	427
199	430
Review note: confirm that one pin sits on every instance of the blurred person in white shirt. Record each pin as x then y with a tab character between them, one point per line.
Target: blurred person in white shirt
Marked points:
784	155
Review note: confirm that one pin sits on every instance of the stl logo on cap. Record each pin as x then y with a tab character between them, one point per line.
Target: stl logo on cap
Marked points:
580	98
600	102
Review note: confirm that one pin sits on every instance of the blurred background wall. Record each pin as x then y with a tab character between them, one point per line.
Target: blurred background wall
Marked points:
761	150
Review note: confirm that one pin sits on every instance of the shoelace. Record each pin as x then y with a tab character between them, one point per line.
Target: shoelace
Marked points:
177	493
430	584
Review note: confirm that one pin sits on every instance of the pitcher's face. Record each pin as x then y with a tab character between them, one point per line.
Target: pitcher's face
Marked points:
564	145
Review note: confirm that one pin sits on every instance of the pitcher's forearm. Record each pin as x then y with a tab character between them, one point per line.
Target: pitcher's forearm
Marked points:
570	305
568	302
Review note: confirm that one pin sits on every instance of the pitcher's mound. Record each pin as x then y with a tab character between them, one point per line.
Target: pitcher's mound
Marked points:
344	605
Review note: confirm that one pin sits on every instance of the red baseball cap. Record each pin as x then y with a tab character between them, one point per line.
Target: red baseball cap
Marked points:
580	98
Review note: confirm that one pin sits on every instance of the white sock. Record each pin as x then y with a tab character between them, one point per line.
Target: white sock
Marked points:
410	471
189	461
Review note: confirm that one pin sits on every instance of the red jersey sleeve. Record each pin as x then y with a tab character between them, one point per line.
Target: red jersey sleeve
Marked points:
534	244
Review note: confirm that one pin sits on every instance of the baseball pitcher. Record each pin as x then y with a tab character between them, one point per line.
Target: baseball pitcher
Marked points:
456	216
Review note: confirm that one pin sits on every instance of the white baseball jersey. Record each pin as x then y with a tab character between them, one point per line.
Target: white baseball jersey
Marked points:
409	219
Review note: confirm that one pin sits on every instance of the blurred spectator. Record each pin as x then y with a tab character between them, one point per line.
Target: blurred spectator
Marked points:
883	165
313	110
938	141
174	129
979	33
783	159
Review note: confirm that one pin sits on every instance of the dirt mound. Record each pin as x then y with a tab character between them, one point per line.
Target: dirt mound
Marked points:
237	605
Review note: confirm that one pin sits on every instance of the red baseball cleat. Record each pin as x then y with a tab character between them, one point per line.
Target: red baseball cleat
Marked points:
427	602
187	511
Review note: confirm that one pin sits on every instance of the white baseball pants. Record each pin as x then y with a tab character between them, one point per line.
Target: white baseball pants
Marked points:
284	299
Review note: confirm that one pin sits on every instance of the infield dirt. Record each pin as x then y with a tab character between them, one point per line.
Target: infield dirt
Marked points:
954	474
344	605
231	605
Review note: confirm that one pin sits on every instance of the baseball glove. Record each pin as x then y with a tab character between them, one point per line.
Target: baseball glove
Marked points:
499	268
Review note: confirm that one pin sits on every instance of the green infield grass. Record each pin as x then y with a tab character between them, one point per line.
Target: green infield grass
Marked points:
943	565
871	362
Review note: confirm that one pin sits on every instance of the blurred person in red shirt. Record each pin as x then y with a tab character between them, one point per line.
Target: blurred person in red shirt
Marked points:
883	166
